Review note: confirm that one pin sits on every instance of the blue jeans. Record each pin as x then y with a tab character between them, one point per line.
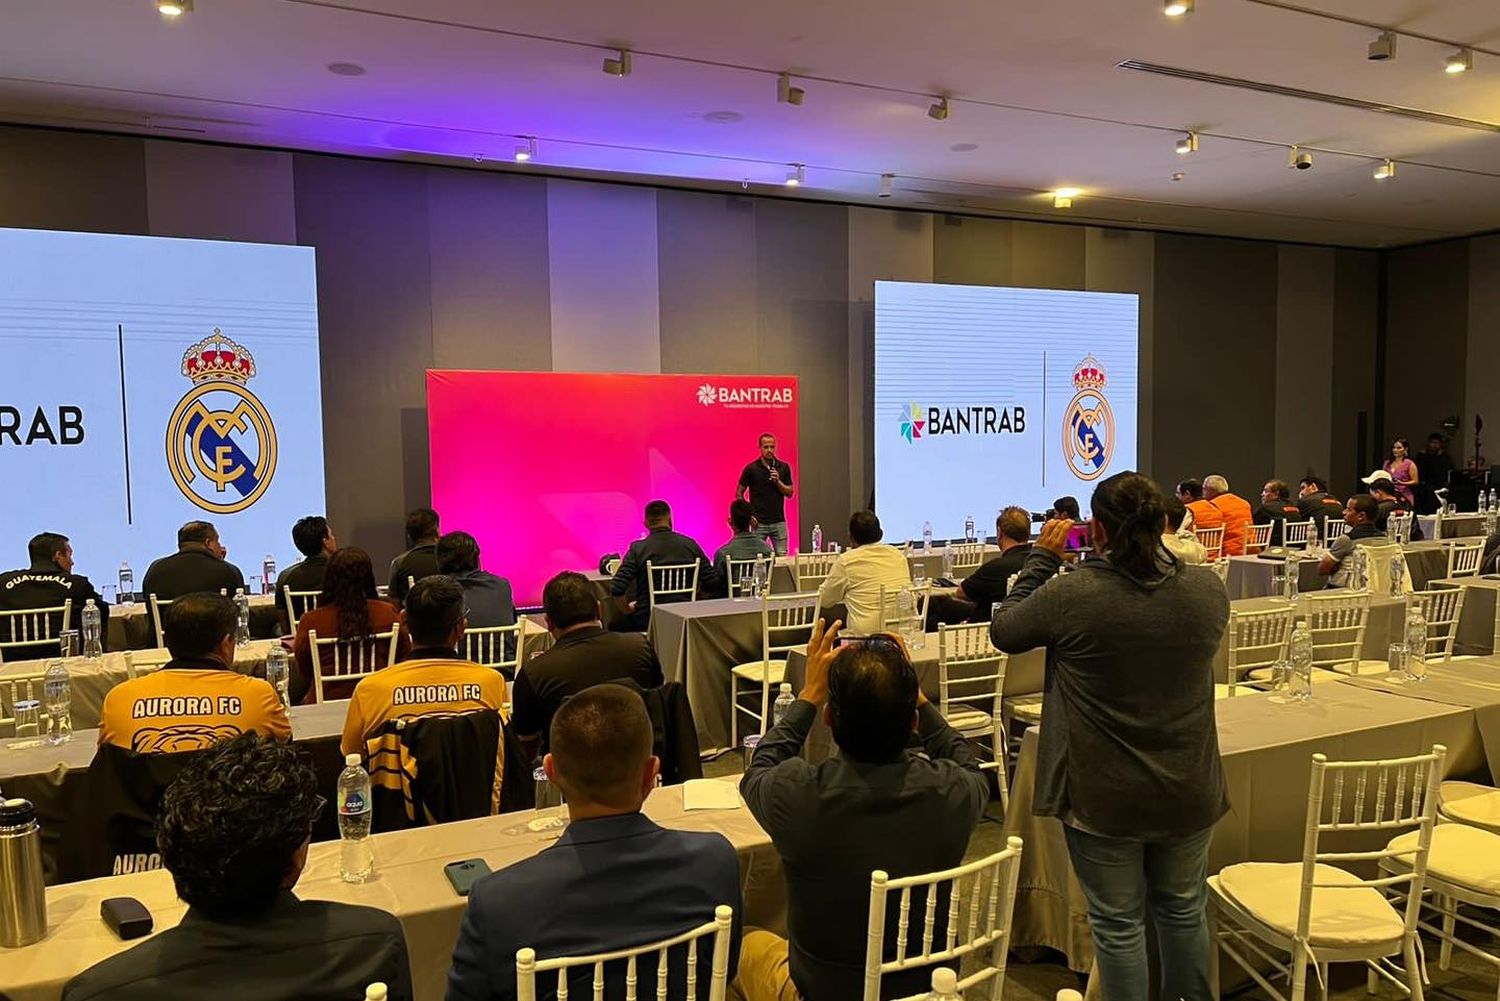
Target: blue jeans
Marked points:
1121	878
775	531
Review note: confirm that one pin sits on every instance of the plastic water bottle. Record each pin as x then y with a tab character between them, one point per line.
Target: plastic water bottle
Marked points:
1314	543
944	986
356	857
93	644
268	574
1359	571
969	528
761	576
927	536
278	672
57	692
242	620
817	538
1299	683
906	614
783	702
1494	499
1292	571
127	585
1416	641
1398	576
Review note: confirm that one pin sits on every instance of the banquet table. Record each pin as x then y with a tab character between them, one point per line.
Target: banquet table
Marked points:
54	777
130	625
1267	753
1386	625
408	882
1455	526
1250	576
1479	625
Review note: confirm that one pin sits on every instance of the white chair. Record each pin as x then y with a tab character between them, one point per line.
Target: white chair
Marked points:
1378	560
786	624
1319	913
139	663
499	647
981	899
1471	803
1258	537
157	604
1220	567
1212	540
810	570
528	966
298	604
966	555
1464	557
1294	534
30	627
672	581
972	700
742	577
334	659
1338	624
1442	605
19	687
1257	640
893	622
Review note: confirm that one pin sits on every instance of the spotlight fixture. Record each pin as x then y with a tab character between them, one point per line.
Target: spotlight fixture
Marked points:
1298	160
1383	48
786	93
525	149
619	65
1187	144
1177	8
939	112
1062	198
1386	170
1460	62
887	185
796	175
174	8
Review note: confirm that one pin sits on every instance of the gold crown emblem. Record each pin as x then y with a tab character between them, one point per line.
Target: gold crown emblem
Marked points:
217	357
1089	374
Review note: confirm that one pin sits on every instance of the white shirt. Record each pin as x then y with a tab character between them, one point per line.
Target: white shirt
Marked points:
856	580
1186	548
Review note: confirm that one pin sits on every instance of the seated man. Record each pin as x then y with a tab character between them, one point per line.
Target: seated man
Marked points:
198	565
1387	501
47	583
1276	508
198	698
1201	514
876	805
314	540
233	833
860	572
1178	540
1235	511
743	545
1314	501
1360	515
421	559
583	654
488	597
631	587
986	586
614	879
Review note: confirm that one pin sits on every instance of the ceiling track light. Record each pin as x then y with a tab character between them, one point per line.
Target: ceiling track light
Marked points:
1187	144
525	149
796	175
887	185
1062	198
940	111
174	8
619	64
1383	48
1177	8
1460	62
1298	160
786	93
1386	170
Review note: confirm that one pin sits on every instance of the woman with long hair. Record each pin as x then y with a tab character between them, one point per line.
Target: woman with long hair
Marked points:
1129	756
1403	469
349	608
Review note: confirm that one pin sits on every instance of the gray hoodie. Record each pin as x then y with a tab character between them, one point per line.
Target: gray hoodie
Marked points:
1128	743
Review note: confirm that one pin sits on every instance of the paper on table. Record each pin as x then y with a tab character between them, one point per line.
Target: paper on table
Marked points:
710	794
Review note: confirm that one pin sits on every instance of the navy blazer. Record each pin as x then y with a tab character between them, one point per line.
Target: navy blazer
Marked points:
607	884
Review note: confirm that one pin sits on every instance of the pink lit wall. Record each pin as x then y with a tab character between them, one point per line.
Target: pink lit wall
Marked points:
550	470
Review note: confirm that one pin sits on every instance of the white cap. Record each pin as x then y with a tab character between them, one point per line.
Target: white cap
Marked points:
786	686
353	759
1376	477
375	992
944	981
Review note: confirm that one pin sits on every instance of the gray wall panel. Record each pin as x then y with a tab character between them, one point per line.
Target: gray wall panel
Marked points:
706	247
1302	358
1356	294
1427	334
72	180
967	251
188	188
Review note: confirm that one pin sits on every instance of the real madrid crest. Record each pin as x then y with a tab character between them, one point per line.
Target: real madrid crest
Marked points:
221	444
1088	426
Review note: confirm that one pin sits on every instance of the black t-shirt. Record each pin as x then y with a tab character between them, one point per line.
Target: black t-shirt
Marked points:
45	585
986	586
1275	511
768	503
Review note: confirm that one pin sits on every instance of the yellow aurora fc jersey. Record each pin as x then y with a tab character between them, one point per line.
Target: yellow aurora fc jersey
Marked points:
416	688
185	709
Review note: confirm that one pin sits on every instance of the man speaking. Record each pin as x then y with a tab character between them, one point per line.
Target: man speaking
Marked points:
769	481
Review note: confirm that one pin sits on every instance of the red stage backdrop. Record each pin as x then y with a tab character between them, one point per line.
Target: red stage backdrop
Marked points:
549	471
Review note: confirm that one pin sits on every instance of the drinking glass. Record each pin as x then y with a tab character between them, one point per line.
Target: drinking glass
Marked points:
1278	583
551	811
67	643
28	718
1281	681
1395	660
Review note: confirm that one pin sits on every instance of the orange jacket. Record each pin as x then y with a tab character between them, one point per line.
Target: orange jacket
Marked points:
1205	515
1237	518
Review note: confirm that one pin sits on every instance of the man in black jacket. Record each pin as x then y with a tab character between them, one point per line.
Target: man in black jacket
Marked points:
198	565
421	559
583	654
314	539
1314	501
47	583
661	547
1276	508
234	832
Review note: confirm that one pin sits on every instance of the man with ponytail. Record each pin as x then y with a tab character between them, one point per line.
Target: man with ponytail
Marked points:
1129	755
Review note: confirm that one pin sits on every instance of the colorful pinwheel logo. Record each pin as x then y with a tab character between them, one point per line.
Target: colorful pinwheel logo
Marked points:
911	423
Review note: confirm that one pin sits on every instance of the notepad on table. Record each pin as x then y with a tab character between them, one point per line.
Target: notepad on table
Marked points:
710	794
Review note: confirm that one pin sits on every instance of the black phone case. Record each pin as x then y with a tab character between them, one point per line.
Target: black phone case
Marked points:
463	875
127	917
